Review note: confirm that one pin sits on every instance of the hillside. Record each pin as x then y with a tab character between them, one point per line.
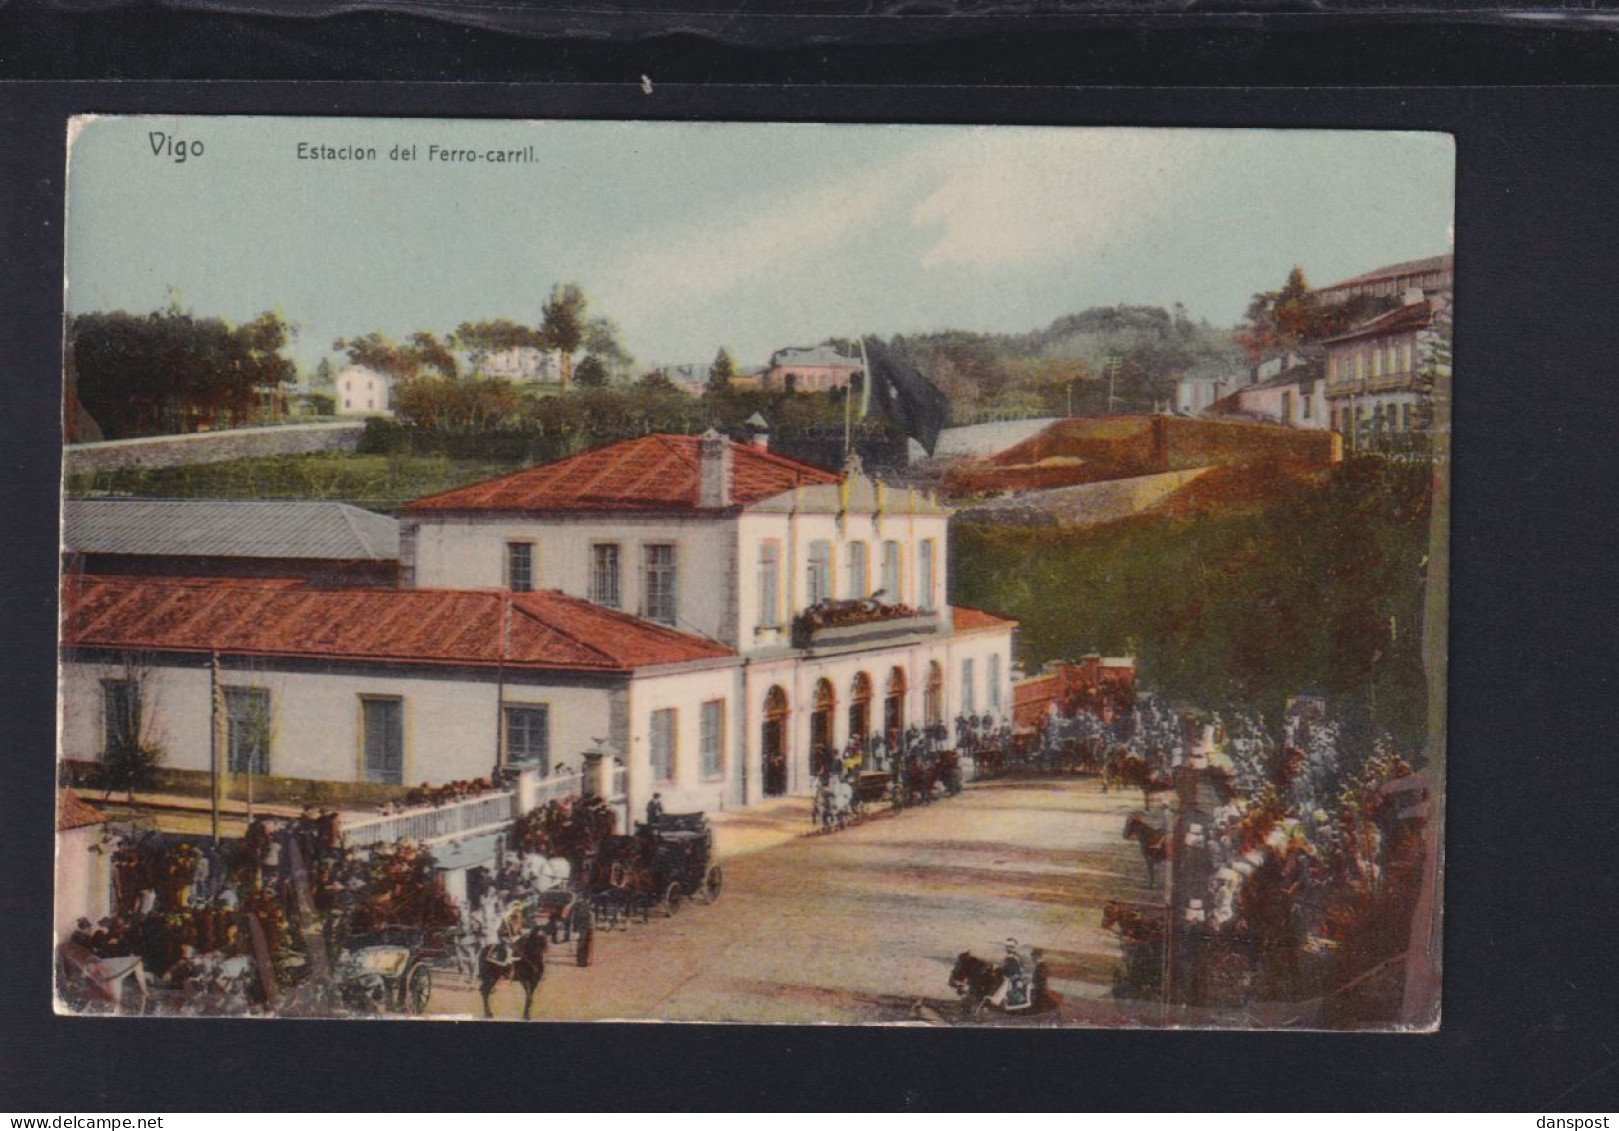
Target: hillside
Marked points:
1243	589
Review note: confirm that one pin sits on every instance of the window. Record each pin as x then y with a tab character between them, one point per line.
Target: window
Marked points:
384	723
1405	417
893	592
604	588
928	582
969	705
769	584
247	730
820	571
660	583
994	692
857	581
662	739
1377	361
528	736
933	696
1407	353
121	712
711	738
520	567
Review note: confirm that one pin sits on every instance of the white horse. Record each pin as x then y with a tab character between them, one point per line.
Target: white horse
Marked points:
546	873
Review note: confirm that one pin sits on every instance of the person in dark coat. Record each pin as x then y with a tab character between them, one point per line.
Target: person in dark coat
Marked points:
654	809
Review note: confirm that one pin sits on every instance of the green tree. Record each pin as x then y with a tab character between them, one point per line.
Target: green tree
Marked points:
721	373
601	341
591	373
173	371
481	340
563	325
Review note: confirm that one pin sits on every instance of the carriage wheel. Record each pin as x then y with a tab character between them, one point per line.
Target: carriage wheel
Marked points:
672	897
713	881
418	989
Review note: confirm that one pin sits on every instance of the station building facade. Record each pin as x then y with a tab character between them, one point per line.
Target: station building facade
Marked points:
718	617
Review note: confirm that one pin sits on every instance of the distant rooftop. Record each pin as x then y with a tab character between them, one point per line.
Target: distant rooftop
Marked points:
220	528
815	355
1394	270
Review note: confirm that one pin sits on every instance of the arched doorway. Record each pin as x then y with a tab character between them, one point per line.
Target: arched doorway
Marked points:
823	751
860	713
933	697
894	709
773	741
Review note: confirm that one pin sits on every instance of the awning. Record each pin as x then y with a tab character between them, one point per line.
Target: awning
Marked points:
468	852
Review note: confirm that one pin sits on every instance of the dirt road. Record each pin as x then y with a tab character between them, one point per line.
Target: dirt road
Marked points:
859	925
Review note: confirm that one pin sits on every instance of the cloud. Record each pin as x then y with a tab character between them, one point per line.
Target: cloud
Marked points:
708	258
1027	195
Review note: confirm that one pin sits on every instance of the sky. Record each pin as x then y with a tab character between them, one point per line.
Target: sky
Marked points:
748	236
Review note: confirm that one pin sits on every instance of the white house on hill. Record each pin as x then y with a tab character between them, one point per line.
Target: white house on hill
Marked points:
362	391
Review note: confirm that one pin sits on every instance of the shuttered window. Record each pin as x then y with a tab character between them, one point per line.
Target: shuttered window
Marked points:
662	740
712	738
247	726
384	721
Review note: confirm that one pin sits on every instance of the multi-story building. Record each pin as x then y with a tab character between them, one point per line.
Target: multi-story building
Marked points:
1435	273
813	370
830	587
362	391
720	617
1376	370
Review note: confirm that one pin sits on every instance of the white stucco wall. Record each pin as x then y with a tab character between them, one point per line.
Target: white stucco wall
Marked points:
458	553
83	878
799	677
316	732
690	789
795	533
361	391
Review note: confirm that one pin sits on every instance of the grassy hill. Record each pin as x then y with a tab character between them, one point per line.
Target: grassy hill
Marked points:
1246	590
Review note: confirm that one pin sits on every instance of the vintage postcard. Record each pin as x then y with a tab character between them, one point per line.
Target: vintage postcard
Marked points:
857	574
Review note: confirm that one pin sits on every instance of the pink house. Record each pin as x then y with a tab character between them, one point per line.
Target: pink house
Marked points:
814	370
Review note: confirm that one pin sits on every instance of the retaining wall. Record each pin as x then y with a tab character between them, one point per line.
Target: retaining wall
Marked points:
212	447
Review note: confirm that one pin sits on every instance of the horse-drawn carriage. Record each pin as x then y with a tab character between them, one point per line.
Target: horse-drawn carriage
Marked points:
661	865
389	971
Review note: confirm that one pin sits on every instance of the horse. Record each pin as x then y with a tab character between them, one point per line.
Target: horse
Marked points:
1135	772
1154	844
523	961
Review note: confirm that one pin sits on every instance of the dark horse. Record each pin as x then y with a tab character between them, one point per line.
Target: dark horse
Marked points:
1154	844
522	960
1132	771
977	982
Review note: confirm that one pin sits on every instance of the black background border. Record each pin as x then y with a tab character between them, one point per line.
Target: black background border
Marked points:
1530	961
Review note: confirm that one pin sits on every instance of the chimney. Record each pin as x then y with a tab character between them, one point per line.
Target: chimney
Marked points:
759	432
714	471
1412	296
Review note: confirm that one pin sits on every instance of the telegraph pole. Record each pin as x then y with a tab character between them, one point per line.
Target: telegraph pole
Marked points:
213	744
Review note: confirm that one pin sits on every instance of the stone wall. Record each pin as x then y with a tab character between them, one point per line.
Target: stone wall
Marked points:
212	447
1085	504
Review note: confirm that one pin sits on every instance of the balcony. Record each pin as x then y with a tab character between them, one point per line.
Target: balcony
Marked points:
836	623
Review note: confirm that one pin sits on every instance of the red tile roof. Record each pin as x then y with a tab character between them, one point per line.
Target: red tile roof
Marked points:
76	813
438	626
975	620
652	473
1394	270
1413	316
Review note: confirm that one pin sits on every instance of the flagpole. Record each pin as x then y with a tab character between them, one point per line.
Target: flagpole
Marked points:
865	382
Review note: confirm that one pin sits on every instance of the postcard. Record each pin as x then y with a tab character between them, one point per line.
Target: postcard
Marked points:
722	572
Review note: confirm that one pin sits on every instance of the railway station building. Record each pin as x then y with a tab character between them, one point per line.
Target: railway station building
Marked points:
719	618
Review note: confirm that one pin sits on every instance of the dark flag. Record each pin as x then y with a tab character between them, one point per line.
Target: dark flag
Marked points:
900	392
